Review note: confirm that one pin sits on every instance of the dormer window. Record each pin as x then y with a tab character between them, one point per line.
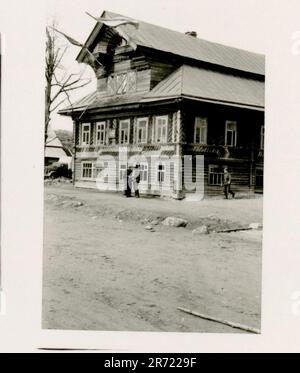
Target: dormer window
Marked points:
118	84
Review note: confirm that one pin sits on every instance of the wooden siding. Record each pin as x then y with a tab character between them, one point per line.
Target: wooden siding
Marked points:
114	183
248	124
240	173
142	83
160	69
150	152
150	71
242	160
114	124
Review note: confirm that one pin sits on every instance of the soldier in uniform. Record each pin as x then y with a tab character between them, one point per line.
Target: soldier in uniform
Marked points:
136	178
227	183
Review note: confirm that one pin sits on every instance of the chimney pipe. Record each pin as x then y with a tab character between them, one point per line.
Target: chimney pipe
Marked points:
191	33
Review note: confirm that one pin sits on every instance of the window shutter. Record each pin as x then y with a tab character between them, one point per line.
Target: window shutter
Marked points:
92	127
76	128
131	129
152	129
114	125
135	128
79	133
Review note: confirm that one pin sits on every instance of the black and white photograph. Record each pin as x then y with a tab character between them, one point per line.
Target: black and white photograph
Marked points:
2	300
154	164
149	164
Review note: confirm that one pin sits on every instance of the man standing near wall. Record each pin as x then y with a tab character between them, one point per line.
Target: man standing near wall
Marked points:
227	183
136	178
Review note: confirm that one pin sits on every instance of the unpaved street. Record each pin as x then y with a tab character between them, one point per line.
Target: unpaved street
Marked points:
104	271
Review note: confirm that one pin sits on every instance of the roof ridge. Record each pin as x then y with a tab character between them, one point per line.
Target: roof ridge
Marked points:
185	35
156	37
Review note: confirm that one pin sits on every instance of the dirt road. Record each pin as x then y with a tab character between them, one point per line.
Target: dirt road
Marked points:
104	271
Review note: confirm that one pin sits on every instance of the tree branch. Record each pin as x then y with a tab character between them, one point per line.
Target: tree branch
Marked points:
59	83
58	105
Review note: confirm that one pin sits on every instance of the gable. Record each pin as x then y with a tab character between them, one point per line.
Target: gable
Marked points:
107	42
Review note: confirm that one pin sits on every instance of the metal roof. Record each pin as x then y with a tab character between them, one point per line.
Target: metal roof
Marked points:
198	83
55	152
82	103
93	101
191	83
177	43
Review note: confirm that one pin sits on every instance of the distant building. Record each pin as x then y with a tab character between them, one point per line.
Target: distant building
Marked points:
59	147
164	93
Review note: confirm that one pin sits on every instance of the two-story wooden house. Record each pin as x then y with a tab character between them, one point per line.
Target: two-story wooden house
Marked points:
164	98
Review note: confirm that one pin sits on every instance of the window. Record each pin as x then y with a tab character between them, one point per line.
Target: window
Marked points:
215	175
124	131
86	134
200	136
231	133
161	124
100	133
262	137
161	173
121	83
142	130
87	170
144	172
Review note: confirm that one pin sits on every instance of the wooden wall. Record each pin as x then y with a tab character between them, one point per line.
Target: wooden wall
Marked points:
114	183
249	123
152	152
160	69
240	172
243	161
114	122
150	70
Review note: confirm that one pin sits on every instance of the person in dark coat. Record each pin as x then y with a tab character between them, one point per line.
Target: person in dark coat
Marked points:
128	182
136	178
227	183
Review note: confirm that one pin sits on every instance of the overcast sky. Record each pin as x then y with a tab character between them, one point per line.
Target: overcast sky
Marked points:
237	23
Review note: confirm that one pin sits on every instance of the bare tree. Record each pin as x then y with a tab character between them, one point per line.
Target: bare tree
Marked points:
59	83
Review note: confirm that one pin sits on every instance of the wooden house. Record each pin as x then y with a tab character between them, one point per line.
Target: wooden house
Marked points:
164	98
